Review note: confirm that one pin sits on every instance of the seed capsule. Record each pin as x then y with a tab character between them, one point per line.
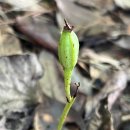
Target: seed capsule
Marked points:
68	50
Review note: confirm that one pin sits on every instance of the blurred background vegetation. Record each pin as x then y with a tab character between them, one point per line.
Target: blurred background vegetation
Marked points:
103	68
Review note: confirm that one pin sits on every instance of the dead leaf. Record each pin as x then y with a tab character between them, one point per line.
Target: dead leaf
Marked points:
39	31
123	4
52	83
72	13
17	91
113	88
99	5
99	64
123	42
31	5
92	57
101	118
9	44
18	79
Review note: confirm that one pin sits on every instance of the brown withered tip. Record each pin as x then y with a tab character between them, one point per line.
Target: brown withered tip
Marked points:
67	26
77	87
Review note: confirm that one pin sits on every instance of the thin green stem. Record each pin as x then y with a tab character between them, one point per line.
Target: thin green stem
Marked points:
65	113
67	81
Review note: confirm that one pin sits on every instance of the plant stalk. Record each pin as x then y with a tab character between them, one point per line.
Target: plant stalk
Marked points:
65	113
67	81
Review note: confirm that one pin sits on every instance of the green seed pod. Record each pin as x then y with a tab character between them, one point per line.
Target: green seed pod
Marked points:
68	50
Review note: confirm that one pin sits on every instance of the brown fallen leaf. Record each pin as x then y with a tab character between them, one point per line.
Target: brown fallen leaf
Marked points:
112	89
9	44
102	118
98	58
24	5
98	5
115	86
72	13
123	42
39	31
52	83
18	87
96	64
123	4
